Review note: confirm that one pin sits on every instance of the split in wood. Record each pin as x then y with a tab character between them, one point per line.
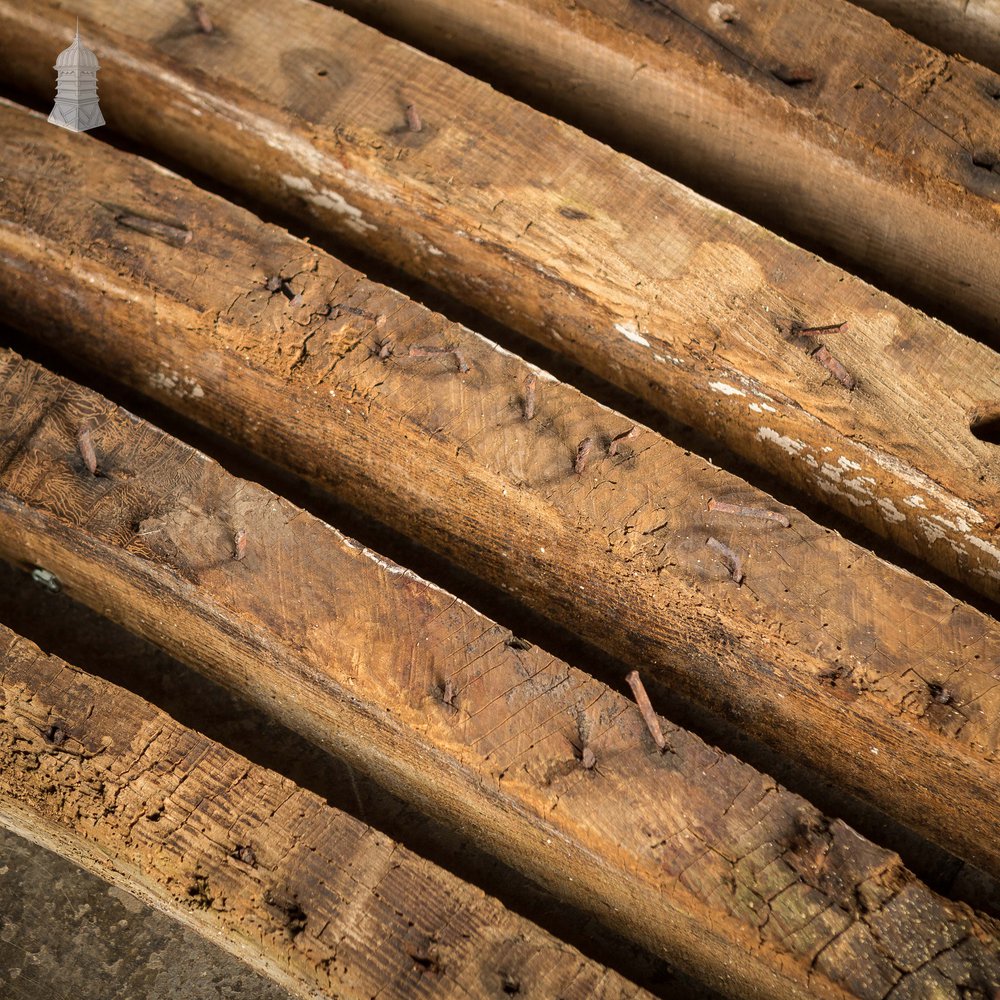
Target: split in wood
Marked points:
740	511
619	439
530	388
413	122
808	331
835	368
646	709
420	351
87	452
729	557
583	450
205	25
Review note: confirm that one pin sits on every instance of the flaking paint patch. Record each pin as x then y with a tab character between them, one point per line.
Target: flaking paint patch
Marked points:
889	511
169	380
331	200
791	445
725	389
990	550
915	501
630	331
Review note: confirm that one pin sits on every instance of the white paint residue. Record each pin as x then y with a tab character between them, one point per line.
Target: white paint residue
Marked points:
788	444
331	200
831	472
631	332
172	381
846	463
754	408
725	389
889	511
959	524
858	485
932	532
981	543
915	501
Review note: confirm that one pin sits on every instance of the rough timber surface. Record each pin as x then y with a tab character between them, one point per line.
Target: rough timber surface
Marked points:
298	889
877	678
691	851
671	297
968	27
822	119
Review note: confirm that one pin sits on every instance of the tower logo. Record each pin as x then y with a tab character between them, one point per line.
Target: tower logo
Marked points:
76	106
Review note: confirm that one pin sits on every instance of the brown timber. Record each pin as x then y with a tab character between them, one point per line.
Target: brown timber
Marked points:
303	892
812	643
969	27
813	116
693	853
632	275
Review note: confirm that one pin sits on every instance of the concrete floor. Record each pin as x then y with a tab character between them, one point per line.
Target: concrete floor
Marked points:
67	935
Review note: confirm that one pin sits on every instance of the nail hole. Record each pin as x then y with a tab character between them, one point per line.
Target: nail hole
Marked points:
321	72
793	76
985	424
984	161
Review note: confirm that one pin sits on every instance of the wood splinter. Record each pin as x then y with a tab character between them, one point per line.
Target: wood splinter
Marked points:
729	557
87	452
835	368
583	450
240	544
648	712
530	386
740	511
619	439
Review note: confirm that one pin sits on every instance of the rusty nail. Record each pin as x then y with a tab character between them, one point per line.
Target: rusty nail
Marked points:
240	544
801	331
588	759
619	439
448	697
740	511
413	118
582	454
87	452
646	709
729	557
835	368
530	386
204	21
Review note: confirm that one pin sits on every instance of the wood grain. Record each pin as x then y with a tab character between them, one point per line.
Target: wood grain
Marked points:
314	898
691	852
634	276
812	116
969	27
877	678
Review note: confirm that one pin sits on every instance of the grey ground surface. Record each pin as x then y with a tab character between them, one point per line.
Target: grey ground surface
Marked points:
67	935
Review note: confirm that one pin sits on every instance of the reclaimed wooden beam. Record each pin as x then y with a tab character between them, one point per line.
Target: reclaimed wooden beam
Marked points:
810	642
792	363
813	116
967	27
306	894
688	850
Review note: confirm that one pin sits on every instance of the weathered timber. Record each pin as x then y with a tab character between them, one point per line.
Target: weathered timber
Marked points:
969	27
691	852
812	643
813	116
300	890
673	298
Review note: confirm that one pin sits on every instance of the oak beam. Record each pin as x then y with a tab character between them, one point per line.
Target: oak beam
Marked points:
877	678
687	305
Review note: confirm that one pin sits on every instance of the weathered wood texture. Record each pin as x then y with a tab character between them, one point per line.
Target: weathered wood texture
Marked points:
302	891
811	115
876	677
690	851
969	27
673	298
